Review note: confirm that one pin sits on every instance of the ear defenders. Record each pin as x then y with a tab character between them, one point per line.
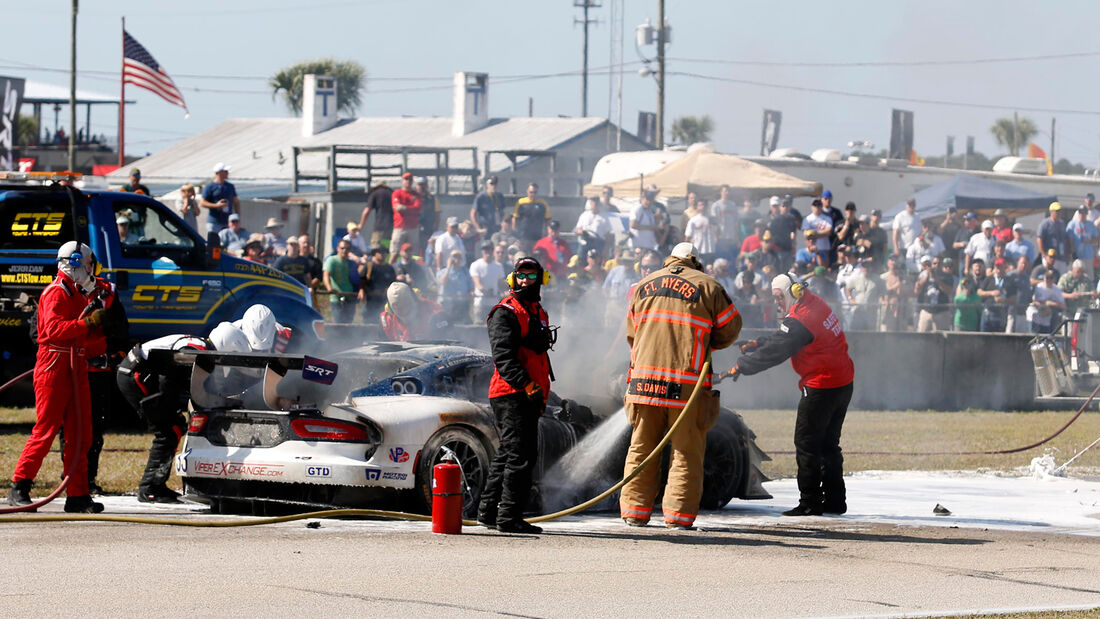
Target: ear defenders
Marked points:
75	260
542	276
511	278
797	289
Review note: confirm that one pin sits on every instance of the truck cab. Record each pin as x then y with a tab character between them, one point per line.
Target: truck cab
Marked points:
169	279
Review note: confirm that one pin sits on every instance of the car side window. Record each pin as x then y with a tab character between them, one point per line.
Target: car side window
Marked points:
144	231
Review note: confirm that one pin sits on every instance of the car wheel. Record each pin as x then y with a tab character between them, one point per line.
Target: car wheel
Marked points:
472	456
724	465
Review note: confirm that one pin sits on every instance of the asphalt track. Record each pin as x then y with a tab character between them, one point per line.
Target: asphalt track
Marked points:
739	563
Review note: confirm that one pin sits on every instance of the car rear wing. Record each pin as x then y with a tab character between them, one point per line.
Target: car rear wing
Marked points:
274	369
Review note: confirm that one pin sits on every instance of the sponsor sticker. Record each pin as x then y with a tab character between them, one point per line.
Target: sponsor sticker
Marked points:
319	370
373	474
318	471
242	469
398	454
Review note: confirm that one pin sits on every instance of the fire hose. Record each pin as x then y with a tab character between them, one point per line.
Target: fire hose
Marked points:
689	407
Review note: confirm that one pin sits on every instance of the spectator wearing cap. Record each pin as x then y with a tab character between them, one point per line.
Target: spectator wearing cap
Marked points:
783	228
968	307
1090	203
1047	304
1077	286
557	250
234	236
529	217
876	241
934	291
220	200
448	242
1049	263
1001	230
293	263
753	242
907	226
488	208
375	277
254	249
835	214
726	219
359	247
997	290
487	276
456	287
821	227
593	266
849	226
927	244
406	215
980	245
379	202
409	268
187	206
1083	234
811	255
429	211
135	186
1052	235
1019	246
122	222
593	228
273	237
1021	283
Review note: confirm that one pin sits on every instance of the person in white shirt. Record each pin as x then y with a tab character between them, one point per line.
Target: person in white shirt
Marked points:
907	226
1046	302
980	245
643	223
488	276
592	227
821	225
359	246
701	231
448	242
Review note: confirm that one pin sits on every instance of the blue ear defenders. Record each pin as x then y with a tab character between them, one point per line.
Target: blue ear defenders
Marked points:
76	260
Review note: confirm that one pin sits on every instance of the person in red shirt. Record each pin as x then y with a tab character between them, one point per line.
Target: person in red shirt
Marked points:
1001	230
753	242
557	250
406	215
810	336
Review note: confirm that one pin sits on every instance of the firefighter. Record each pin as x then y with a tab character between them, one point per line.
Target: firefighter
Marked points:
69	332
678	314
160	395
409	317
809	335
519	337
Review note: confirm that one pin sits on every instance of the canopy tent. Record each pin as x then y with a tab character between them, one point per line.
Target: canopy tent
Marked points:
980	195
704	172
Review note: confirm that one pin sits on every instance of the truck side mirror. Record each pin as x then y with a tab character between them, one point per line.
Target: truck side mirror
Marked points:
213	249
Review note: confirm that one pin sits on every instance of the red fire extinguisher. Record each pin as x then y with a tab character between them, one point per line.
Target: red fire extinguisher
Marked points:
447	497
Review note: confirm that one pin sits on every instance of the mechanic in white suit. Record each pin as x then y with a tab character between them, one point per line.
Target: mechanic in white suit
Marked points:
263	332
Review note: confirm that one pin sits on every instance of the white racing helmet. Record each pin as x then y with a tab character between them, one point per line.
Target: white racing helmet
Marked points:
402	300
227	338
258	324
76	260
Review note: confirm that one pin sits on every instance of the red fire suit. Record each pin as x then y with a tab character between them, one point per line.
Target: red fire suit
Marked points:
61	396
430	321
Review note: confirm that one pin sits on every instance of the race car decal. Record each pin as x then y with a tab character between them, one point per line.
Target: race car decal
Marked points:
237	469
398	454
319	370
318	471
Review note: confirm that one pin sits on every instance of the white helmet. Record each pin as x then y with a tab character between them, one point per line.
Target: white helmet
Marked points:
402	300
75	260
227	338
258	324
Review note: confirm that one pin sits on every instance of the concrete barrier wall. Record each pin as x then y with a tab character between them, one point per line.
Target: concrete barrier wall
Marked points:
894	371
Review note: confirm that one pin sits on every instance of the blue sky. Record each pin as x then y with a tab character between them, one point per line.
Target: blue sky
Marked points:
220	53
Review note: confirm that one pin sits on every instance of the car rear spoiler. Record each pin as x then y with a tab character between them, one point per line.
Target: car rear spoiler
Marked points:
204	362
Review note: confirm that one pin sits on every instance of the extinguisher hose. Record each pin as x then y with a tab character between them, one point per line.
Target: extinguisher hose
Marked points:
689	408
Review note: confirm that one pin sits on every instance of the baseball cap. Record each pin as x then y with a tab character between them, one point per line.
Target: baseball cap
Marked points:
1052	252
808	233
452	221
122	219
826	194
234	217
292	240
816	202
972	215
405	246
407	175
652	188
1082	209
788	199
864	218
683	250
1054	206
421	180
767	235
1017	226
999	213
999	262
486	245
819	270
135	172
220	167
554	224
926	259
876	212
352	226
492	180
987	224
774	201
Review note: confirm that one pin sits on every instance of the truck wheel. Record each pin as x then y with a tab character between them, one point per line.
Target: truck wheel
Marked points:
472	456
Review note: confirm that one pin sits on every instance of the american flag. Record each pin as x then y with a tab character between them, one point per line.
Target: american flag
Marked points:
141	69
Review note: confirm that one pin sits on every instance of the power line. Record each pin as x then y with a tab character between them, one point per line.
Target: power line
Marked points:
891	63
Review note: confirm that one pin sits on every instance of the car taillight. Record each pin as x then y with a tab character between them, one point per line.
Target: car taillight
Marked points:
319	329
328	429
198	422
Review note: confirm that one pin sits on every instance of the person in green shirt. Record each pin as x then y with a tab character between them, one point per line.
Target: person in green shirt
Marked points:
337	278
1077	287
968	307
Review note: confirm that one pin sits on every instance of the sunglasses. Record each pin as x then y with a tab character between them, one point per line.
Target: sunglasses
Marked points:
528	276
646	267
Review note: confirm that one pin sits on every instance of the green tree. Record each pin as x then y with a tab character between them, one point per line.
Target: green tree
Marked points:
1013	135
26	130
350	80
691	129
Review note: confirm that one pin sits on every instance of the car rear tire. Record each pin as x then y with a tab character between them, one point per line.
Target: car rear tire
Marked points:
473	457
725	463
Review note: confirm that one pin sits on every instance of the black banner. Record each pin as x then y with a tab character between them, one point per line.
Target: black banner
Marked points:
969	145
950	145
769	133
11	98
901	135
647	127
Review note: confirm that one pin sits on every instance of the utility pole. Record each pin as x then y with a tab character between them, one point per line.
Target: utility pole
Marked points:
1015	133
72	93
1052	141
585	5
660	74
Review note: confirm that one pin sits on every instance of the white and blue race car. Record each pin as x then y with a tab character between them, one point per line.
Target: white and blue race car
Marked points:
365	428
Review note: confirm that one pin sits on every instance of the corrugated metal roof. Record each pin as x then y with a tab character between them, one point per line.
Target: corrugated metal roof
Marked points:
253	147
41	92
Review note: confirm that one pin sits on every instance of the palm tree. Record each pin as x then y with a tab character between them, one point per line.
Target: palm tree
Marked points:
690	129
1013	134
350	78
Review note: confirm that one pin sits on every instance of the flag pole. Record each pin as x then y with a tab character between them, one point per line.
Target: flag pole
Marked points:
122	102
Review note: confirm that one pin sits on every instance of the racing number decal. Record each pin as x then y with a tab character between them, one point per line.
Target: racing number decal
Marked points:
151	293
37	224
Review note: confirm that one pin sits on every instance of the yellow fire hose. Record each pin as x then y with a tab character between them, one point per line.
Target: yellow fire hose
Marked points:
689	407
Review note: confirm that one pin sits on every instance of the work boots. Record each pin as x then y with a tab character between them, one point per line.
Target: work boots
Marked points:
20	494
157	494
804	509
82	505
518	526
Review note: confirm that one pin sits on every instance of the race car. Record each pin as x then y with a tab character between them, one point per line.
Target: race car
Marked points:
365	427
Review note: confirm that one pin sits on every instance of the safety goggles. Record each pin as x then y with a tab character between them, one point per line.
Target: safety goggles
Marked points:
528	276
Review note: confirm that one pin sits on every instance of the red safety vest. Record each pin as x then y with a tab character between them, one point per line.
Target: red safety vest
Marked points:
537	364
823	363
